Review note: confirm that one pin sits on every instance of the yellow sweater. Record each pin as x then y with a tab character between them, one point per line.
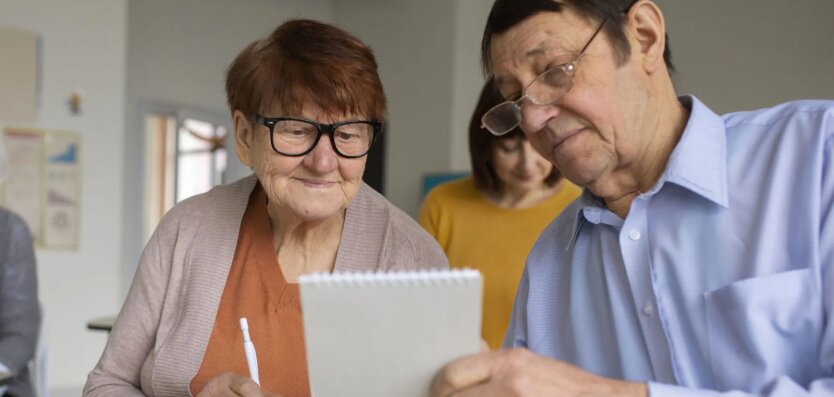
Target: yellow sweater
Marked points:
477	234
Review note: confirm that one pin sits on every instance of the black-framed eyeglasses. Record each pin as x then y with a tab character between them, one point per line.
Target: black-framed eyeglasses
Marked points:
545	89
294	137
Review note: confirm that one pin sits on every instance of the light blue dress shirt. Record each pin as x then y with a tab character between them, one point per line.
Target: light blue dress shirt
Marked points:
720	278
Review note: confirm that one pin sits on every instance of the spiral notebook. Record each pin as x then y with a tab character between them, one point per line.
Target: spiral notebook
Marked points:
387	334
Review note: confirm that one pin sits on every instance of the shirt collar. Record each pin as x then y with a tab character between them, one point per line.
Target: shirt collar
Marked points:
587	208
699	160
698	163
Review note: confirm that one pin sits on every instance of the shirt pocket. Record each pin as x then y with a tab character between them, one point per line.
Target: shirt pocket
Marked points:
765	327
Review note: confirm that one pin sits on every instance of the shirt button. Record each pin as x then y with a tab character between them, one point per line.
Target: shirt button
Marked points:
634	234
648	309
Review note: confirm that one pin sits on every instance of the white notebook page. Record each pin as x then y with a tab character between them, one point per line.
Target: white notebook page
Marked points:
387	334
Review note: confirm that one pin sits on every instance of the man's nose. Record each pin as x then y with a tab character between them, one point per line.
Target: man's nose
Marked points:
535	117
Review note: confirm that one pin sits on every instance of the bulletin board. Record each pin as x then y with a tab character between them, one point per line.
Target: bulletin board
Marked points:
44	184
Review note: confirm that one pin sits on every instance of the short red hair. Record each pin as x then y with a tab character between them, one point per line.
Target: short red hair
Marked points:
306	62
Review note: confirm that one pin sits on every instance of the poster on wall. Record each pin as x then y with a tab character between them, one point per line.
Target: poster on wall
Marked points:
44	184
62	184
22	190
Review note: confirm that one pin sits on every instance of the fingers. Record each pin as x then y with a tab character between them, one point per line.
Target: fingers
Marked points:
245	387
484	347
463	373
480	390
230	385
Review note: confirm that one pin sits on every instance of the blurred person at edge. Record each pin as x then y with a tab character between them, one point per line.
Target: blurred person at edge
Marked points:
489	221
306	104
698	260
20	315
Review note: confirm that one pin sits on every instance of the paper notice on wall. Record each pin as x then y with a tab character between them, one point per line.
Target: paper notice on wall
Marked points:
24	184
63	190
44	184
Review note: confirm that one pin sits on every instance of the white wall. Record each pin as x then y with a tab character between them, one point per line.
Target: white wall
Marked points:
468	78
83	48
747	54
413	47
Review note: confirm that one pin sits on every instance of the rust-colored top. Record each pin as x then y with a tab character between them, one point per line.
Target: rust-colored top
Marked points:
256	289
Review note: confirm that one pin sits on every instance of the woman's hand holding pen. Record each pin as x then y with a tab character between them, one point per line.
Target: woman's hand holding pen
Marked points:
233	385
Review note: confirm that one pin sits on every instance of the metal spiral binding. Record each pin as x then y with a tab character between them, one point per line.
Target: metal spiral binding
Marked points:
412	278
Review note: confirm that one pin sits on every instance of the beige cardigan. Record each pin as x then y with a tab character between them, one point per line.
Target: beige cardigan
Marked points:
160	336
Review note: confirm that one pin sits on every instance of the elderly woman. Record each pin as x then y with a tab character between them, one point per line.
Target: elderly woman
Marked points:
307	104
490	221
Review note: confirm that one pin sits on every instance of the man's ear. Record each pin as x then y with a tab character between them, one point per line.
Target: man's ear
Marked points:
244	135
647	34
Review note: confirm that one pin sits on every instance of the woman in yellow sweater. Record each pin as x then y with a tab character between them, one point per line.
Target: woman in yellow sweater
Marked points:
489	221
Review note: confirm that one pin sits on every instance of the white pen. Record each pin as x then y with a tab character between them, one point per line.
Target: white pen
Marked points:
249	348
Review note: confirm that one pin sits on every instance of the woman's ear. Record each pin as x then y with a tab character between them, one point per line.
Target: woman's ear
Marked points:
243	137
647	34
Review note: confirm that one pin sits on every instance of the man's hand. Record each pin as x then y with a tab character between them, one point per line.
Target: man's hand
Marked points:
519	372
232	385
484	347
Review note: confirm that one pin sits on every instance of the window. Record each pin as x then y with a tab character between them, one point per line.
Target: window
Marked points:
201	158
184	156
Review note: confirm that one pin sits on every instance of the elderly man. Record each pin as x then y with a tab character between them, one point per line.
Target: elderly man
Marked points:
698	260
19	309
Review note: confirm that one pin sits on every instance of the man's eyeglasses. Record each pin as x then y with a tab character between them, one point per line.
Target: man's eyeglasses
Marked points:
545	89
296	136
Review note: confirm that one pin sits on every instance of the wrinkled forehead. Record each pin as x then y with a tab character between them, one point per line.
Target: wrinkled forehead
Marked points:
511	52
540	39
